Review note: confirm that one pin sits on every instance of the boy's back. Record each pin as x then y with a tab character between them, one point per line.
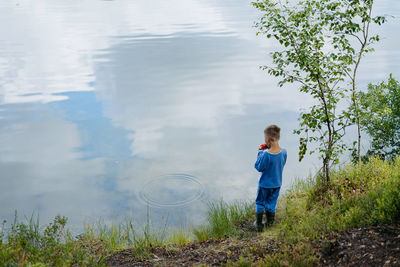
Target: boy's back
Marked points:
271	167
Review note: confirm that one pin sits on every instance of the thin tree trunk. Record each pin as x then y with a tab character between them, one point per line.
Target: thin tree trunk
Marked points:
359	139
329	125
326	171
357	111
364	43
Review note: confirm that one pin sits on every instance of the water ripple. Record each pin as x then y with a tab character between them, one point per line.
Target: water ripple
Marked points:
171	190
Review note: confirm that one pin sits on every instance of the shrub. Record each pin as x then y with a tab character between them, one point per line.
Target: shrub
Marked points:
381	118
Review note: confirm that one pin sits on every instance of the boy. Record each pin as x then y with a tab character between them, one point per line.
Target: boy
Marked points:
271	159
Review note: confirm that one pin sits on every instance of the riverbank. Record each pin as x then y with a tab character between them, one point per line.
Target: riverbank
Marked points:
367	246
352	221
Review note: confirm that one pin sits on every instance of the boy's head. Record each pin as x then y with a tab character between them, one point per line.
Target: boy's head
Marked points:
272	133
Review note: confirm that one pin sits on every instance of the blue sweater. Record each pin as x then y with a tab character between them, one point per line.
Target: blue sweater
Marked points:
271	168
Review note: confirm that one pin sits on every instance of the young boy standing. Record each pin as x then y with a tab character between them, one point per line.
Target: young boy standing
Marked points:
271	159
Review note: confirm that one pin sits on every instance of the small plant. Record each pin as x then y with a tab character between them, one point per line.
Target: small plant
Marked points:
202	233
180	237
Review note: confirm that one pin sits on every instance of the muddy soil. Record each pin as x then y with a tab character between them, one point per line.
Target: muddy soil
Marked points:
368	246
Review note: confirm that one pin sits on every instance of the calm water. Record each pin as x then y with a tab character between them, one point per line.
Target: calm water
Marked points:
110	107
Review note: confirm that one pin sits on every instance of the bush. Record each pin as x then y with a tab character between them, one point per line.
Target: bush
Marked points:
381	118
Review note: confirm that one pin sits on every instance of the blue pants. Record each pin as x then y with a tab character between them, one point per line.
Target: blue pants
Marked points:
266	199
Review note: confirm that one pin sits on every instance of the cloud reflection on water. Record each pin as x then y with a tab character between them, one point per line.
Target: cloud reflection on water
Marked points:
97	97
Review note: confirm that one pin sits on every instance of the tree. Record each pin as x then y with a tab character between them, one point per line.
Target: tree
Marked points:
353	20
317	52
380	110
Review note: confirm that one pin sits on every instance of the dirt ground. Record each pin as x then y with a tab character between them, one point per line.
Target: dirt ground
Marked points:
211	252
369	246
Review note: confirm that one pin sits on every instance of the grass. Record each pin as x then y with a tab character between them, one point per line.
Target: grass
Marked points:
26	244
180	237
124	235
358	195
225	219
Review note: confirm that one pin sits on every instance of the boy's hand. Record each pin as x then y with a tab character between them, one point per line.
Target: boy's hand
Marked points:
263	147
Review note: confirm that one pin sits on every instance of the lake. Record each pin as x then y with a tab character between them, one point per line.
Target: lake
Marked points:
134	108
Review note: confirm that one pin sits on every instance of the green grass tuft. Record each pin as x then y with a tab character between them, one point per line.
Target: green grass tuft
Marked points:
180	237
225	219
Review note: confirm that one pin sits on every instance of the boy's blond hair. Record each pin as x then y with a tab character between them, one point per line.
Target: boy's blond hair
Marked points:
273	132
